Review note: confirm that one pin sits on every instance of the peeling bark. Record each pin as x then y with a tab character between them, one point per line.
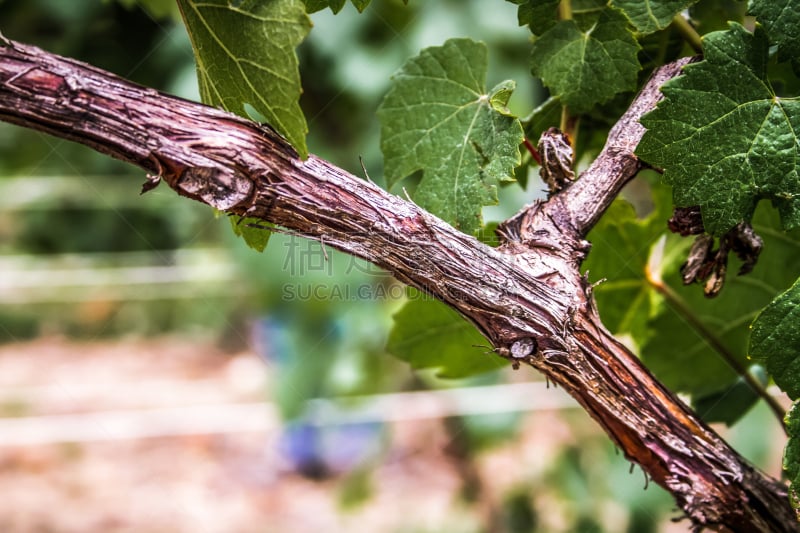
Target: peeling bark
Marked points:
527	296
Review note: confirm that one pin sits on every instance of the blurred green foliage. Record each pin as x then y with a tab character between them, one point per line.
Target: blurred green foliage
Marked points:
320	317
61	199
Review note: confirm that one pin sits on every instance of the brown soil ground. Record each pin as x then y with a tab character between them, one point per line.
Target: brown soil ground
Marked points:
233	481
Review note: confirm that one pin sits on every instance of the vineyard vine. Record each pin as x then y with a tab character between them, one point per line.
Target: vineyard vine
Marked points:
701	279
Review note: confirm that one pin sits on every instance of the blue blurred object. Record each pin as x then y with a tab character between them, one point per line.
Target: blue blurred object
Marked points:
321	451
299	443
271	340
316	450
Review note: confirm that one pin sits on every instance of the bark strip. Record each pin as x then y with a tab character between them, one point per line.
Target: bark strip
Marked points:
527	297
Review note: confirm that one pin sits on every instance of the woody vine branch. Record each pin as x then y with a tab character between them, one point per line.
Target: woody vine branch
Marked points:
527	297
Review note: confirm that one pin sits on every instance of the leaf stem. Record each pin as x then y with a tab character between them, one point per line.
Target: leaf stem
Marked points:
675	301
688	32
569	125
663	45
532	149
565	10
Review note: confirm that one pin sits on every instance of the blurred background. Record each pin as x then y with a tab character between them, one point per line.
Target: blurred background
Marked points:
158	375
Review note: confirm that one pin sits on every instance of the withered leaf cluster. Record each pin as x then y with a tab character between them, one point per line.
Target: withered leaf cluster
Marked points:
706	264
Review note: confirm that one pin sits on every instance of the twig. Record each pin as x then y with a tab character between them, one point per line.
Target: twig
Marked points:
683	310
688	32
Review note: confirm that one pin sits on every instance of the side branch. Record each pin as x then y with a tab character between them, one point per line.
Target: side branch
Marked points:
585	200
527	297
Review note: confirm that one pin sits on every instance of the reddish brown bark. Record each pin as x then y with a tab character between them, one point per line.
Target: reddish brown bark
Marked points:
527	296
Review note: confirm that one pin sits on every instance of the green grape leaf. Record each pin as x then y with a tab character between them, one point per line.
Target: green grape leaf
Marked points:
587	60
623	244
722	136
545	115
439	118
488	234
625	248
538	15
586	12
713	15
780	19
157	9
729	405
361	5
776	340
648	16
246	55
500	95
791	454
428	334
256	238
312	6
684	358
